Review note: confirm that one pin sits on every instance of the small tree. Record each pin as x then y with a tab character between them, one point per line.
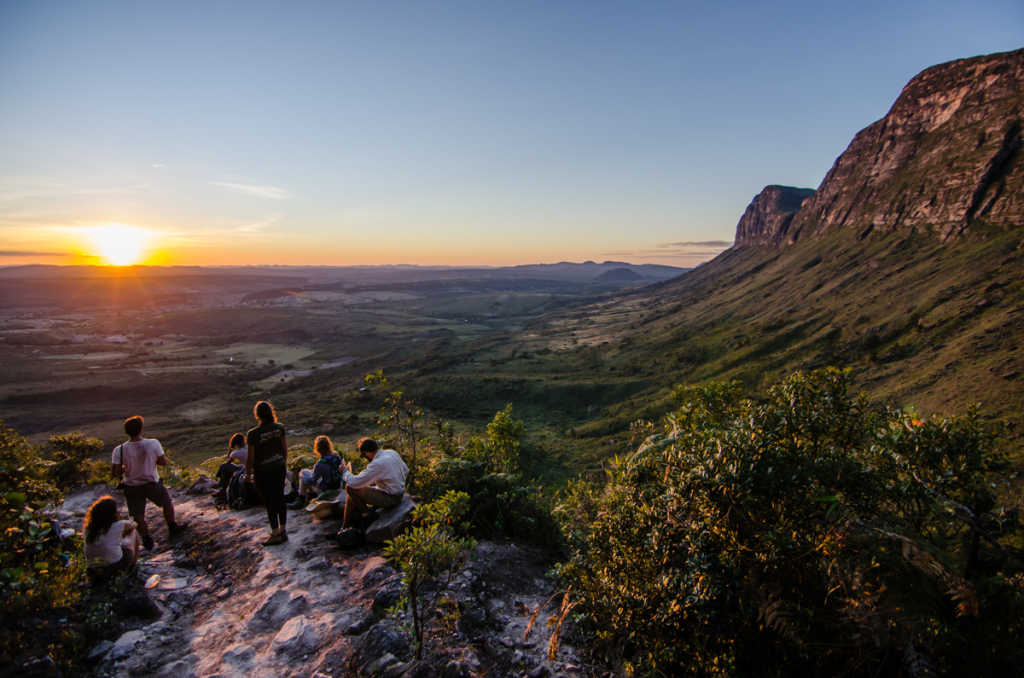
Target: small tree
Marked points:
400	416
430	552
71	453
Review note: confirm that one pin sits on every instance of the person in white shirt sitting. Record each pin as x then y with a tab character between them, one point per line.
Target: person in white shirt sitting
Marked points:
111	545
381	484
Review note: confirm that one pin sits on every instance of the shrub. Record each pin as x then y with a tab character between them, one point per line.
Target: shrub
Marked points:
32	572
805	533
71	454
429	552
501	502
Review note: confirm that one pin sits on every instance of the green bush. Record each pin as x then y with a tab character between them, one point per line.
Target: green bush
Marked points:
71	454
32	572
805	533
501	502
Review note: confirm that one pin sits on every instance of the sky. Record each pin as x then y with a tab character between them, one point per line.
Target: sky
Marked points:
437	133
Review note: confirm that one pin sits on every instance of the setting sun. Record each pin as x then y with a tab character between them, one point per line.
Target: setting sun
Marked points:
120	245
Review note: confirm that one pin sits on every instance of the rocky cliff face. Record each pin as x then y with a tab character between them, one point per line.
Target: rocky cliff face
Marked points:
945	159
769	215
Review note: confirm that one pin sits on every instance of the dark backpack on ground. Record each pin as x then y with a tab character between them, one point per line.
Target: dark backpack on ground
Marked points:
242	494
351	538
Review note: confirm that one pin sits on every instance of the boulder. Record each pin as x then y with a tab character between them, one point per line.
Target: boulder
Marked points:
125	644
239	656
296	637
388	594
379	641
372	570
278	609
391	522
97	652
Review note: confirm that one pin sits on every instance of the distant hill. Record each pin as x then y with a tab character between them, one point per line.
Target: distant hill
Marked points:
619	275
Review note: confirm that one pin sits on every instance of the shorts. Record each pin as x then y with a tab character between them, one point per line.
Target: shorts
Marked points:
381	499
123	565
135	497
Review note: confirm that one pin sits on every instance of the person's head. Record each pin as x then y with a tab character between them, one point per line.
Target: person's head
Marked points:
133	426
237	440
100	516
368	447
323	446
264	411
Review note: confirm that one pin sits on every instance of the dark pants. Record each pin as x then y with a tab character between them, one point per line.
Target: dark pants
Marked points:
270	484
225	473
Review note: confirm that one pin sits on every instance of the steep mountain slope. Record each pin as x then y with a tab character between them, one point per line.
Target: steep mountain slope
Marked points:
905	264
945	159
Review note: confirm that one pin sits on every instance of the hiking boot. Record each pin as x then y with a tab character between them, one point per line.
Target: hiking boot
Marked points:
298	504
276	539
220	494
331	536
147	543
177	528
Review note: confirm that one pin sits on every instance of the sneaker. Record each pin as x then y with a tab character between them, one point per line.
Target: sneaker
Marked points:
276	539
147	543
331	536
177	528
298	504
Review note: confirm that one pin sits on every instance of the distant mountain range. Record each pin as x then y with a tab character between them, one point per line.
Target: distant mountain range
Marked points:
587	270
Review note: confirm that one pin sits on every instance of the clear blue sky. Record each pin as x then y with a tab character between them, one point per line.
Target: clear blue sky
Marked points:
439	132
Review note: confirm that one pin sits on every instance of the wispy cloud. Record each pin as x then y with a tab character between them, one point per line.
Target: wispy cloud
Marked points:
26	253
674	250
253	189
715	244
157	165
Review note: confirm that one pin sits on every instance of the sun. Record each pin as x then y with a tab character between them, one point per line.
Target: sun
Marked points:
119	244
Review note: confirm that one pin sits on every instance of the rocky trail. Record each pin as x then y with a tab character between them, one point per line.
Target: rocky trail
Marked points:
231	607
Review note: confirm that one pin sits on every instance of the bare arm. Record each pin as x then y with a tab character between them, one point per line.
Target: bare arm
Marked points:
161	460
284	448
250	459
116	471
129	527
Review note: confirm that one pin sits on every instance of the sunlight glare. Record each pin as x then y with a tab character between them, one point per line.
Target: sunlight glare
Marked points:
119	244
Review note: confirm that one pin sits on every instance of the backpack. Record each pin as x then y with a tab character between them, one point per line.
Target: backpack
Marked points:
242	494
334	481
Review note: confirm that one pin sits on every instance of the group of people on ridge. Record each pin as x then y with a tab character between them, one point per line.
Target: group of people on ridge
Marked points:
112	545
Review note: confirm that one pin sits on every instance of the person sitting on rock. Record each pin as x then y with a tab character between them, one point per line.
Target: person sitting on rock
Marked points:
324	476
235	463
136	461
111	545
381	484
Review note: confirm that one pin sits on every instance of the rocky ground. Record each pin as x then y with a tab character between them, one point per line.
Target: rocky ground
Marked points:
231	607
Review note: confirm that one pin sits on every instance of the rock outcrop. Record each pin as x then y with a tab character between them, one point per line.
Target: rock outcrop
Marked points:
944	160
769	215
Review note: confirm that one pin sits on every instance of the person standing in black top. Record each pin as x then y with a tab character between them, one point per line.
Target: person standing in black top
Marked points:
266	463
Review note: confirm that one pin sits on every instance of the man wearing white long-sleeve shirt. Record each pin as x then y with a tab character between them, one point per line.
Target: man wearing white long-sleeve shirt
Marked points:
381	484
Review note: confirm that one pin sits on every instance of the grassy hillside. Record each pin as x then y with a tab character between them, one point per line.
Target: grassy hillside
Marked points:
925	325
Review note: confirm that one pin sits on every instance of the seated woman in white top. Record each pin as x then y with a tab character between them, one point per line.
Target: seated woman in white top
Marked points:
111	545
235	462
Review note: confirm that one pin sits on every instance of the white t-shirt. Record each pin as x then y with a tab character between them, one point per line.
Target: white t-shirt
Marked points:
138	460
387	471
106	550
238	454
